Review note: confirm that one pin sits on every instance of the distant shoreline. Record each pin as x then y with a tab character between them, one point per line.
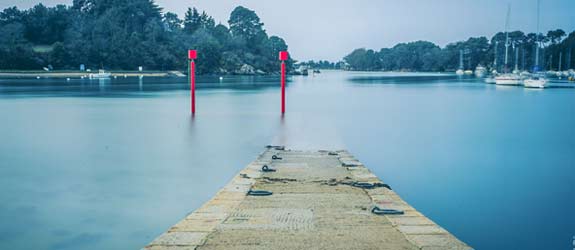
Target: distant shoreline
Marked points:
30	74
79	74
114	73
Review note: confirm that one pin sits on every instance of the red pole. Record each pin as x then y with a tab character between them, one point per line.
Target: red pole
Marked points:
283	57
283	87
192	55
193	86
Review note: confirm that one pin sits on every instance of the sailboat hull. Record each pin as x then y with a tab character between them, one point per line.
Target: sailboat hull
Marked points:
508	80
535	83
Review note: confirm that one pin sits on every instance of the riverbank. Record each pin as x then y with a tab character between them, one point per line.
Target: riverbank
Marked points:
115	74
81	74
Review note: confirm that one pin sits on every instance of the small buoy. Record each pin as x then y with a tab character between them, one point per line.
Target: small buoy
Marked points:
37	77
67	79
125	76
221	78
115	77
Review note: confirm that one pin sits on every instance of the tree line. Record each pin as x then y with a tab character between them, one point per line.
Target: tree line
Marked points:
126	34
427	56
322	64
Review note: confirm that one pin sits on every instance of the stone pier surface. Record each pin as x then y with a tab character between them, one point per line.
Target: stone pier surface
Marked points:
319	200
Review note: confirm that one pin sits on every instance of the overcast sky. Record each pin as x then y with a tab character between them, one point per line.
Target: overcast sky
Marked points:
330	29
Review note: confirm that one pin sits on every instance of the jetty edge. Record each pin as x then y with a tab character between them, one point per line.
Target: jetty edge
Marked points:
289	199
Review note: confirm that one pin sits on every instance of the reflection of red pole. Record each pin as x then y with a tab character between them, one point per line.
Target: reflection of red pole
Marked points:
192	54
283	58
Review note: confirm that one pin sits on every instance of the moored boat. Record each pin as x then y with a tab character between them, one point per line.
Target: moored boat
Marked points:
508	79
480	71
535	82
537	79
100	75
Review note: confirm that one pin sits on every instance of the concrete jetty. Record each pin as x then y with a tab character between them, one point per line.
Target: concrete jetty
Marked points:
289	199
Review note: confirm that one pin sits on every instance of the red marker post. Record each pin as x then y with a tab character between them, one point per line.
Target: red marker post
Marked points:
192	55
283	57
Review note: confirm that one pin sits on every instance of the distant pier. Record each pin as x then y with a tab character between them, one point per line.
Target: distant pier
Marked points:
305	200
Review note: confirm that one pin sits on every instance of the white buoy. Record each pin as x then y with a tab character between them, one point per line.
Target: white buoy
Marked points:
221	78
125	75
67	79
37	77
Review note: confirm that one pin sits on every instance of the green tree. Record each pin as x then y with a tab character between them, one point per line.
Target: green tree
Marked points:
363	59
172	22
192	21
124	34
245	24
15	51
11	15
555	36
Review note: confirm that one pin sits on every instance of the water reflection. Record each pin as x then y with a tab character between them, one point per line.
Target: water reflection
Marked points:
103	84
117	87
407	78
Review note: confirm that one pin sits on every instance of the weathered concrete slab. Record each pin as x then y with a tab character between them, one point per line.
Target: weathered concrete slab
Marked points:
181	239
316	204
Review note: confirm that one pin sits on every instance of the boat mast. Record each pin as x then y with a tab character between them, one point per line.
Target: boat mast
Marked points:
495	55
507	35
522	58
468	52
461	59
516	58
536	68
560	60
569	59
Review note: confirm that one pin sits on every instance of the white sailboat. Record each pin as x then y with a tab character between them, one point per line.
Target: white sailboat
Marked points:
480	71
536	80
101	75
560	73
507	78
491	79
516	69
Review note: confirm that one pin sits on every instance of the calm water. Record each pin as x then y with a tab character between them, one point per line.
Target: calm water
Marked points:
112	164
